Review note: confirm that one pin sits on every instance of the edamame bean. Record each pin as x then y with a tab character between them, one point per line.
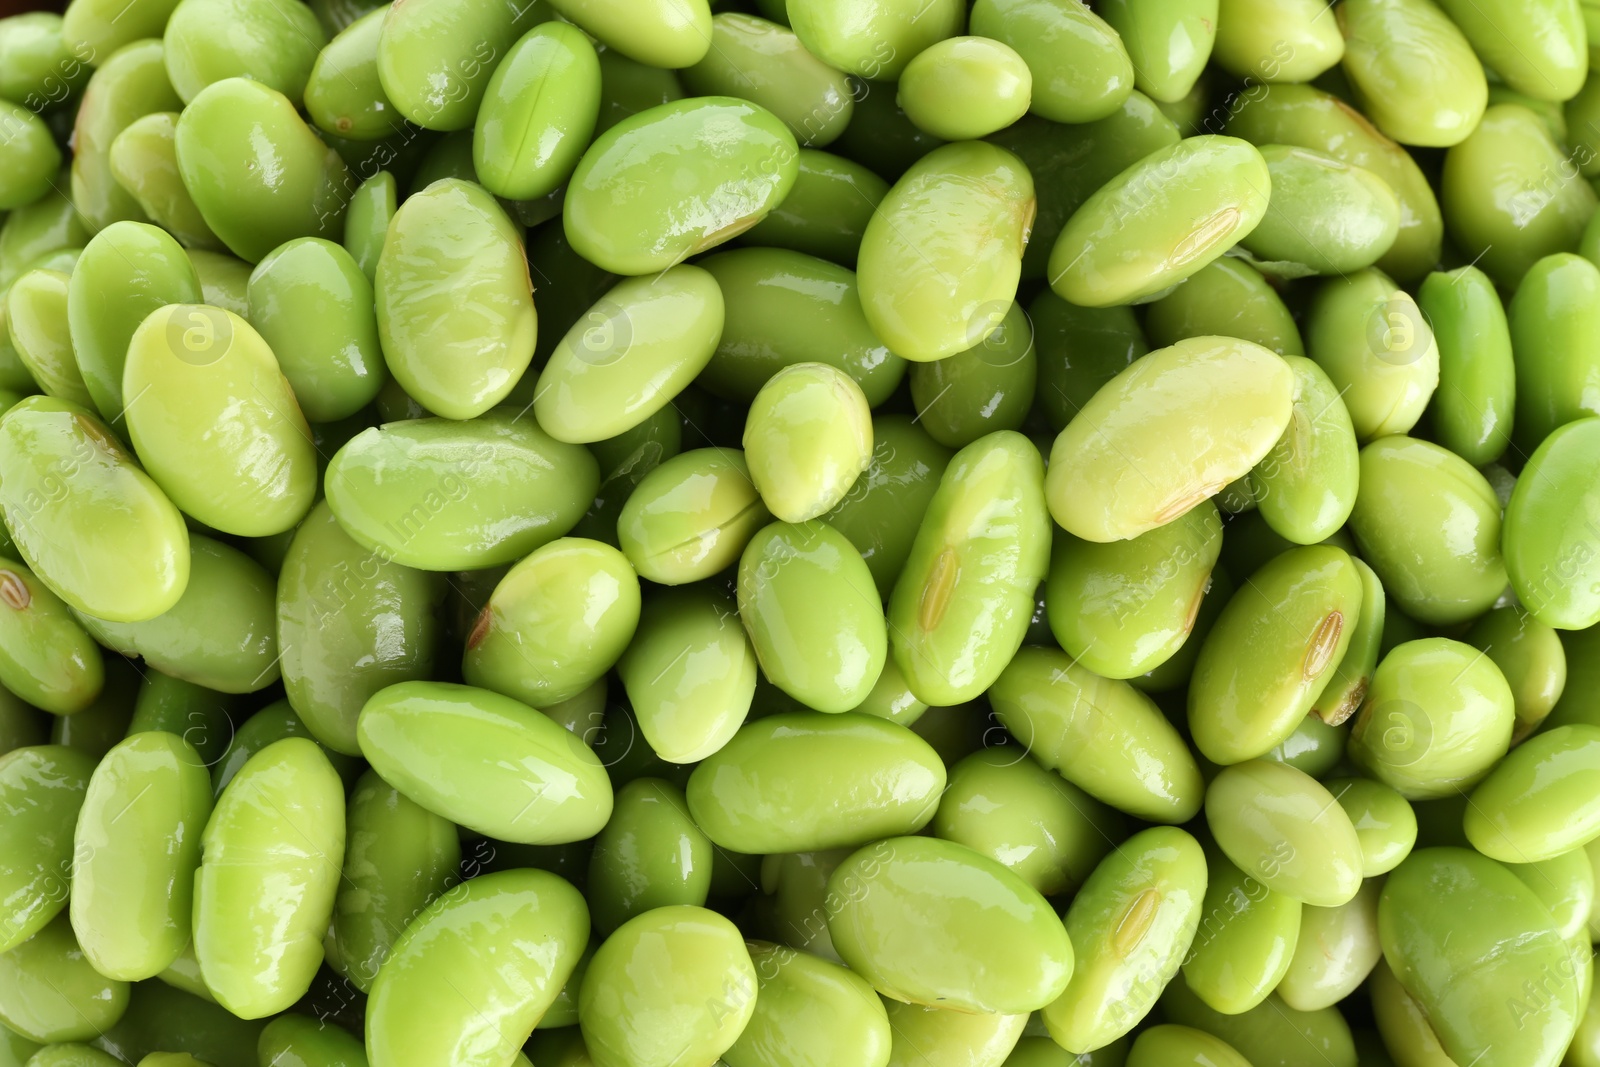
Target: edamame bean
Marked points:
1004	805
884	508
989	387
49	992
1324	216
32	157
137	847
1244	941
545	92
144	161
715	165
784	307
658	34
544	787
759	793
1529	654
690	517
435	58
1336	950
67	489
29	233
398	858
256	171
968	908
269	869
649	855
807	438
1437	717
1412	71
224	280
1447	914
46	658
813	614
1272	652
442	495
1112	477
965	597
555	623
1471	410
39	67
1549	527
1306	486
1511	196
43	788
1123	608
1411	491
1281	826
942	255
630	355
1271	1034
1553	317
1101	735
441	996
768	65
126	85
1168	43
36	321
209	40
1565	883
1228	298
337	369
1131	926
343	95
299	1041
1537	48
963	88
1276	41
937	1037
674	984
792	989
1377	349
1384	820
1160	221
825	212
875	41
1539	802
1081	71
366	223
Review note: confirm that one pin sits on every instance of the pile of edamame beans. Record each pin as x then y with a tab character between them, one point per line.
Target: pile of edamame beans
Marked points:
838	533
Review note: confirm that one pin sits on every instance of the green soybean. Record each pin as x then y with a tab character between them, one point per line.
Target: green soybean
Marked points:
36	320
555	623
1112	477
350	623
1529	654
965	597
337	369
716	166
1102	735
875	41
1081	70
1324	216
1537	804
398	858
1448	914
442	495
138	847
256	171
209	40
768	65
674	983
1160	221
1471	411
1244	941
1131	926
44	787
1384	820
825	212
1272	1034
659	34
270	852
968	908
756	794
650	855
794	991
366	223
807	438
690	673
963	88
442	992
1511	196
544	787
545	93
1230	298
1336	950
942	255
50	993
63	477
691	517
435	58
785	307
1436	718
1553	315
1538	48
127	85
988	387
1281	826
1411	492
